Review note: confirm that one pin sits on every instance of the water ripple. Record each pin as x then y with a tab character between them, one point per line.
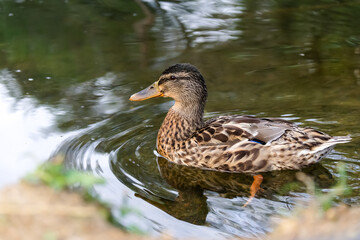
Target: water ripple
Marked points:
120	149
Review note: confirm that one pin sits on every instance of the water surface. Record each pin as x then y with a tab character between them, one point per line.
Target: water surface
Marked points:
68	69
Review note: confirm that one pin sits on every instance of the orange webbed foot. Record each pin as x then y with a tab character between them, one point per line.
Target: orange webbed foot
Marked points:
254	188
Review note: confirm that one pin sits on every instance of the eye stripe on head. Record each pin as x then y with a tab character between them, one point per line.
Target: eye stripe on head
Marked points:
163	80
172	77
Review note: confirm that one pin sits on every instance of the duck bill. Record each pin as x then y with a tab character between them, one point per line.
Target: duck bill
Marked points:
149	92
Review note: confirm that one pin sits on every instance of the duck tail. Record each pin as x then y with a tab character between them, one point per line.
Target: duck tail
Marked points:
331	142
340	139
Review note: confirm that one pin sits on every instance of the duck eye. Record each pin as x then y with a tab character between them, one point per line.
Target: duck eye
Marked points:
172	77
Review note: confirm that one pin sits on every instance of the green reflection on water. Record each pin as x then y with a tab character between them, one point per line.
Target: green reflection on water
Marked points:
292	59
70	42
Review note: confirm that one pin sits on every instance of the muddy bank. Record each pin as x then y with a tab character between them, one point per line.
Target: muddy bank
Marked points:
337	223
39	212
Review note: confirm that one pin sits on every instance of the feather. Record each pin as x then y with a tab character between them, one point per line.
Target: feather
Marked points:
228	143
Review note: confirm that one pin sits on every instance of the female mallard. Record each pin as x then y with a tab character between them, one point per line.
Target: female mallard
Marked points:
228	143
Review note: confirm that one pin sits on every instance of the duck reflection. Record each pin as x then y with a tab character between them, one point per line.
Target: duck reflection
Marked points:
191	183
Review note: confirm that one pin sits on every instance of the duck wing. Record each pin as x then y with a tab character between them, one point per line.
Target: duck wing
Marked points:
228	130
249	144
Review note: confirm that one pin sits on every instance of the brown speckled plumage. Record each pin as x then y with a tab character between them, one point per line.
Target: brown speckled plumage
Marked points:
228	143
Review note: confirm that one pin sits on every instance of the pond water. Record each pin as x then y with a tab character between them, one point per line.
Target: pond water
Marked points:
68	68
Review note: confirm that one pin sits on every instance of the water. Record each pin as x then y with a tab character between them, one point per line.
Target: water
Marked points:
68	68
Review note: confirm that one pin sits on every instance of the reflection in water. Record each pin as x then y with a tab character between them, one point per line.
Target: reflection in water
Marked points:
28	131
292	59
190	204
200	21
92	101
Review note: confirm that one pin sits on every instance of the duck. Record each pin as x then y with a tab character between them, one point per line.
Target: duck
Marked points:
235	143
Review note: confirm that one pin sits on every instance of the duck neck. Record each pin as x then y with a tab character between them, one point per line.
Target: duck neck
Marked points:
189	118
180	123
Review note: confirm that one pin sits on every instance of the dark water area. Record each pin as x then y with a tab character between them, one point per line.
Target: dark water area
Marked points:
67	69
